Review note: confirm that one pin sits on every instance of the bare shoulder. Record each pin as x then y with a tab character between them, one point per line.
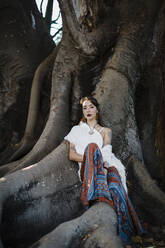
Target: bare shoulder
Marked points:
104	130
107	136
107	130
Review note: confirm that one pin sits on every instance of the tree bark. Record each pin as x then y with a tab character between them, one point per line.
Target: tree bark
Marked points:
31	191
28	139
107	49
20	54
96	227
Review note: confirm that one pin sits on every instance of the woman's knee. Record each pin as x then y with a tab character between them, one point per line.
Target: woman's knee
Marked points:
92	145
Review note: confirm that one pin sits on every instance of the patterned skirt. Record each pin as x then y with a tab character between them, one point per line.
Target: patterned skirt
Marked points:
96	186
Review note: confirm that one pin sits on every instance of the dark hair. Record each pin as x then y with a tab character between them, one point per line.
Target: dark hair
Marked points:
93	101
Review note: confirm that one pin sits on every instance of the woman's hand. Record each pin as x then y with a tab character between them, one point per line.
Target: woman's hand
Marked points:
73	155
105	166
105	171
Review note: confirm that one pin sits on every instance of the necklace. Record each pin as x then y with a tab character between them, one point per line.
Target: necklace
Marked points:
91	131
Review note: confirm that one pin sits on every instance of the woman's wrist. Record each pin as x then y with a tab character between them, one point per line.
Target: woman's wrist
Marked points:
82	158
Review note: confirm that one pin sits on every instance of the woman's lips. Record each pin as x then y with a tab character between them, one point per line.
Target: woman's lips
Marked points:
88	115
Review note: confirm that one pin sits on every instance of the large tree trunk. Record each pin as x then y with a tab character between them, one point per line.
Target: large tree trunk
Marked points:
109	49
23	37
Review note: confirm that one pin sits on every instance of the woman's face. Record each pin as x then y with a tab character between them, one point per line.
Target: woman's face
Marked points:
89	110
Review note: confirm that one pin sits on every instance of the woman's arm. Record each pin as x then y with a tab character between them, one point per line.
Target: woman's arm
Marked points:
107	138
73	155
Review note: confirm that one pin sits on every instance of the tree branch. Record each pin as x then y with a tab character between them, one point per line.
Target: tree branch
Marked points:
55	21
48	15
41	6
59	30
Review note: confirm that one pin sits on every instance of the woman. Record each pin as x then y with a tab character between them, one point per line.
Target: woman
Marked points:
102	174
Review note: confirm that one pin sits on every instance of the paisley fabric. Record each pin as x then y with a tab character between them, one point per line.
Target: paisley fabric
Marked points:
108	188
80	137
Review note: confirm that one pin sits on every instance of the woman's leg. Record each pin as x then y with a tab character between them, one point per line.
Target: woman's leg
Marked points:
94	179
128	222
97	186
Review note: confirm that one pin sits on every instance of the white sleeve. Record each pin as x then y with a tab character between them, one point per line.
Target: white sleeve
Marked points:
121	169
106	153
111	159
71	136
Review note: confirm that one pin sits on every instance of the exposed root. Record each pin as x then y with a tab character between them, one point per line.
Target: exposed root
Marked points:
145	193
49	193
59	117
4	169
23	148
28	141
7	153
97	227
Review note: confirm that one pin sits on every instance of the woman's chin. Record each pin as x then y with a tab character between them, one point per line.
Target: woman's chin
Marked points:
90	118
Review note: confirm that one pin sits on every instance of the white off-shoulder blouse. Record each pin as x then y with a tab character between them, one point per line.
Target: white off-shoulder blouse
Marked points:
80	137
